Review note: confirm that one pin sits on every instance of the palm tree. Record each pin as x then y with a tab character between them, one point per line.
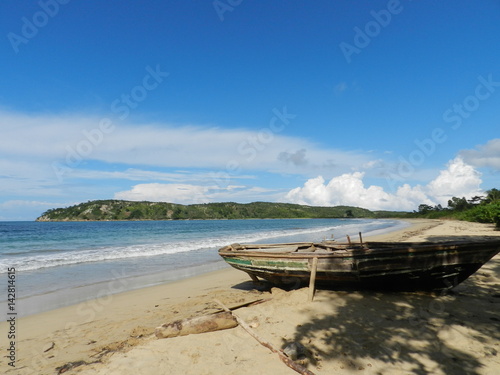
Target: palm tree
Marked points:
493	196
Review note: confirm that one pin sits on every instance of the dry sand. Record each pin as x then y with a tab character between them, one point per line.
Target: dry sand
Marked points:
344	332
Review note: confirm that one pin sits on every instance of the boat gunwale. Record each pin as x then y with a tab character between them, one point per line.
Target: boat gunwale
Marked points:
345	250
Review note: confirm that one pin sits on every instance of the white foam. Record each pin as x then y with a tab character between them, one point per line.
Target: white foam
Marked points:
65	258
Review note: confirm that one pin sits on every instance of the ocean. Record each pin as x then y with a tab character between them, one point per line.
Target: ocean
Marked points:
62	263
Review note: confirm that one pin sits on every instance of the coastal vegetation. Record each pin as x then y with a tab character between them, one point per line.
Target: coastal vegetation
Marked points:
131	210
483	209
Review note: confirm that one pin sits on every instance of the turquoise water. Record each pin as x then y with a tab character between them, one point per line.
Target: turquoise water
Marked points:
59	264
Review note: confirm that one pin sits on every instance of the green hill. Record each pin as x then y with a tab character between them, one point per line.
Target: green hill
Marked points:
129	210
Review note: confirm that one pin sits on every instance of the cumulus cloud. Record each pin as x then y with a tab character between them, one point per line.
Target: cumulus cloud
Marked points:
487	155
156	192
458	179
190	193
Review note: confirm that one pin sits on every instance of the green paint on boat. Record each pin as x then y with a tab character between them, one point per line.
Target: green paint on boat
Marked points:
280	264
269	263
239	261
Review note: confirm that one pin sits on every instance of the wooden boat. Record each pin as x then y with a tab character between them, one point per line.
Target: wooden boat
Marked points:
380	265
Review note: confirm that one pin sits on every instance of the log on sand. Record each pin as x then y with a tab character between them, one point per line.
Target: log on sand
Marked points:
201	324
215	321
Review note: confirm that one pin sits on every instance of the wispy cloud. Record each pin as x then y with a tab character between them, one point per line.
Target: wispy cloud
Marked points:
487	155
66	143
135	174
189	163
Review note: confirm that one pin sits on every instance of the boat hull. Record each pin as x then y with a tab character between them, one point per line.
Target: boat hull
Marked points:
400	266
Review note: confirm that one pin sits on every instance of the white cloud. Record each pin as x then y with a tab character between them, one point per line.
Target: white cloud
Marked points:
34	177
487	155
199	163
156	192
189	193
134	174
459	179
67	155
72	140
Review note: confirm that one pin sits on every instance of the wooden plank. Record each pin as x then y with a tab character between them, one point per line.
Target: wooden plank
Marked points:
278	249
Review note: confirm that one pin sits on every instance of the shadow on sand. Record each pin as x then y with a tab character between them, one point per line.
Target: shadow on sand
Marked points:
417	332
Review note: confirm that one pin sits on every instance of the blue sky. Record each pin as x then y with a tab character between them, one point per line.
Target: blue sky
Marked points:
379	104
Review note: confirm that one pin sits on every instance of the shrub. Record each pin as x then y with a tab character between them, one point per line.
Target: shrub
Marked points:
484	214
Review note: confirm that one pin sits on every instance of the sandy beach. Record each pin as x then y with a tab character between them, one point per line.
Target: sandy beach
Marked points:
366	332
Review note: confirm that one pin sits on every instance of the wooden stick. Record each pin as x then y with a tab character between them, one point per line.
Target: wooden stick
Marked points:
360	238
287	361
245	304
348	239
253	277
312	280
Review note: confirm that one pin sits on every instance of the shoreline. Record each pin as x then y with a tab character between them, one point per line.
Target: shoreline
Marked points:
61	298
104	331
33	302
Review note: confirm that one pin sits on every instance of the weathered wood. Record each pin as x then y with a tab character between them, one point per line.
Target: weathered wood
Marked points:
312	280
283	357
201	324
254	278
244	304
384	265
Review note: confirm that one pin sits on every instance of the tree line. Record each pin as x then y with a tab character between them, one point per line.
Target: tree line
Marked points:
483	209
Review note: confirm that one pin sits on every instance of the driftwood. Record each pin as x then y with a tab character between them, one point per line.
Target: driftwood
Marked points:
244	304
287	361
201	324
